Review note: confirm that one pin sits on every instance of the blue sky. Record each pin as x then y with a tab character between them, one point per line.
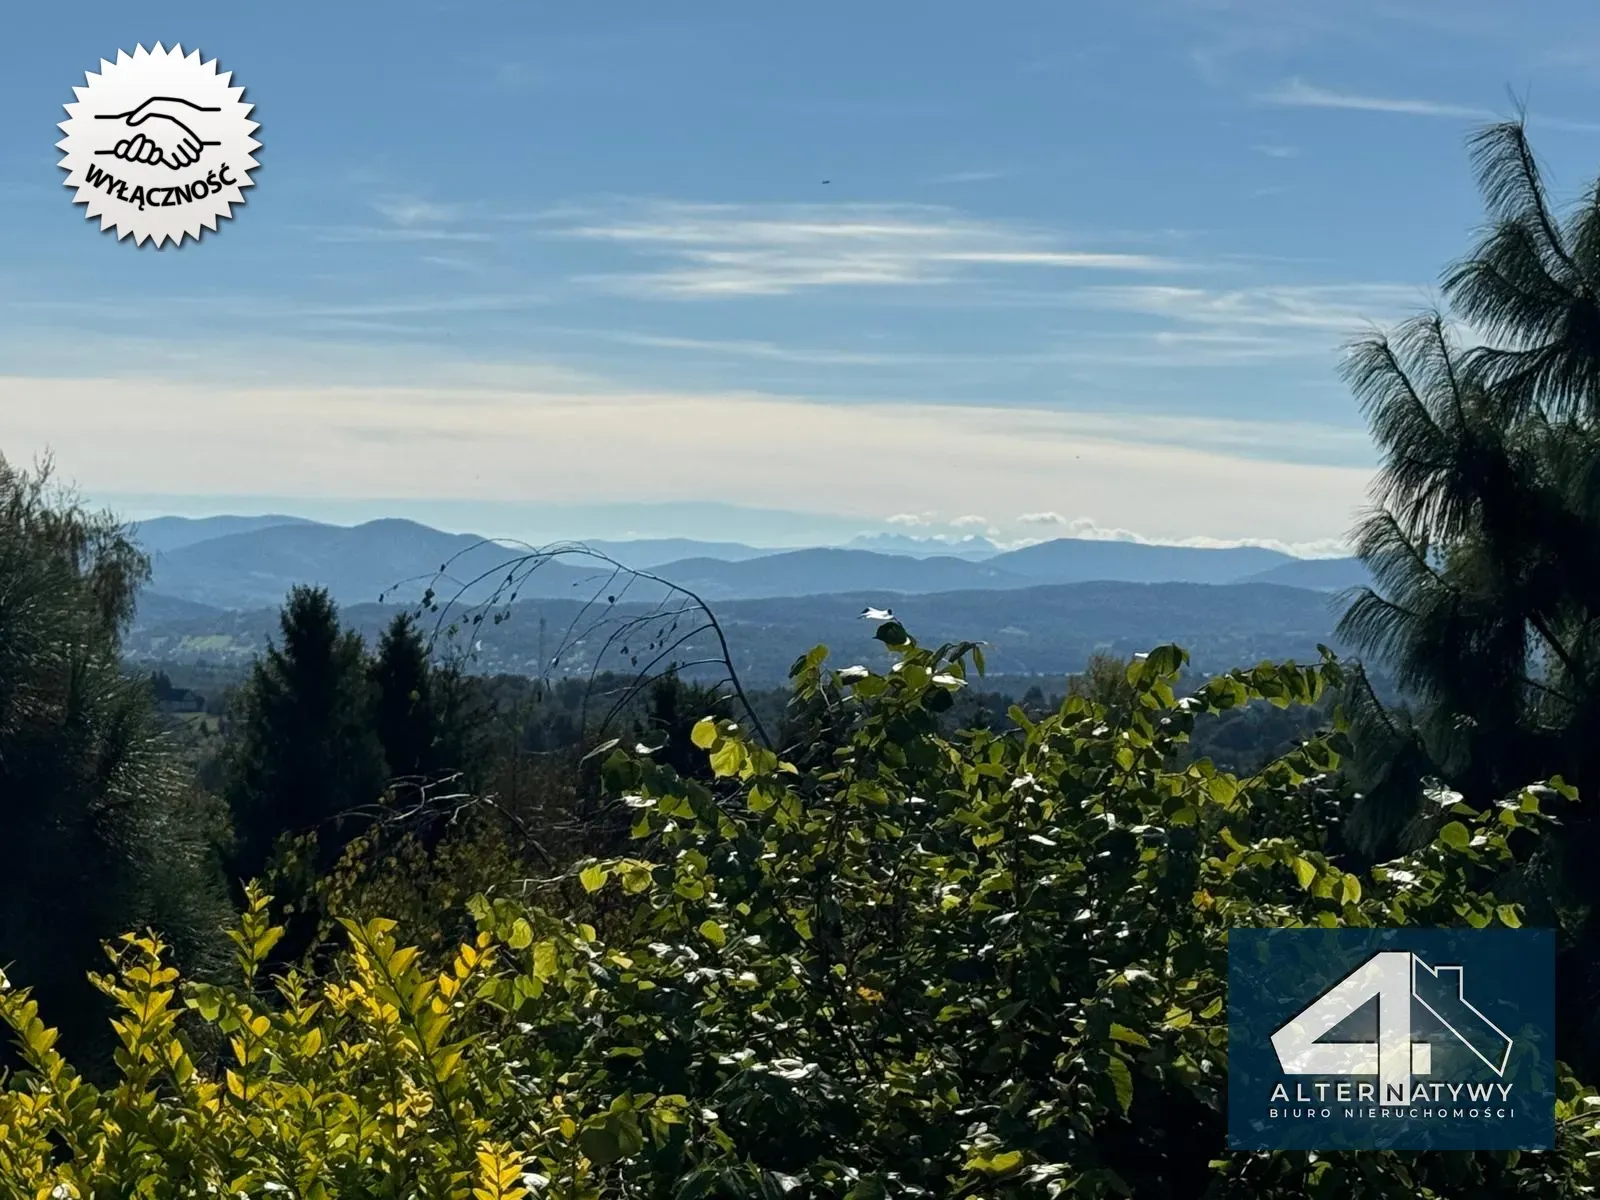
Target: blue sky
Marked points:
1076	268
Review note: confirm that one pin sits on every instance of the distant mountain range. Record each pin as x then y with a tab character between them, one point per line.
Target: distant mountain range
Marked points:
161	534
899	543
1319	574
248	563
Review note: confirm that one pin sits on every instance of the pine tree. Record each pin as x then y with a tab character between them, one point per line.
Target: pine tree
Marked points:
1484	539
306	753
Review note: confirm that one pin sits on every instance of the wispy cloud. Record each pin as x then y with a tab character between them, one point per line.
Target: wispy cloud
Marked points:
424	306
1198	478
755	250
1277	151
1343	309
390	233
1297	93
771	351
1041	518
411	211
451	262
1088	529
407	217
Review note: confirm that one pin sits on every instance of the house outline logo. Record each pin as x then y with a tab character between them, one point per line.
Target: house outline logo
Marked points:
1391	977
158	145
1438	1038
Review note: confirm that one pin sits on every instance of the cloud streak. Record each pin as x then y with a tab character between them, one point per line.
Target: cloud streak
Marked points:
725	250
1343	309
1296	93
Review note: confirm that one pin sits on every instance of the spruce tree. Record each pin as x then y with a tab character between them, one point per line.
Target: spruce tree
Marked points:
406	714
306	753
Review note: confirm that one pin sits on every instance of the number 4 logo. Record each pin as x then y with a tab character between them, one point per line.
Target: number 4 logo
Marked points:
1395	978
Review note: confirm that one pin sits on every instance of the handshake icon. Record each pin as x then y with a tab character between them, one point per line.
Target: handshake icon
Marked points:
161	133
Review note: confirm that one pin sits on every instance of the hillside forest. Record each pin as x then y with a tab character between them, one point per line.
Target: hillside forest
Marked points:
362	918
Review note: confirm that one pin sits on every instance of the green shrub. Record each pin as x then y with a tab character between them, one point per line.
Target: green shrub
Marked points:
988	965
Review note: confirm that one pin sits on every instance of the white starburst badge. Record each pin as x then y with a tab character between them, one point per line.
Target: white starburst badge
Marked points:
158	145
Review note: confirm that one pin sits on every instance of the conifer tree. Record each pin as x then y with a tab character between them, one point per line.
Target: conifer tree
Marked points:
405	707
306	753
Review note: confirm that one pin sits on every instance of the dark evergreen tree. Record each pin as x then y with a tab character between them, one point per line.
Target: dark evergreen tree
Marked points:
1484	542
406	709
305	753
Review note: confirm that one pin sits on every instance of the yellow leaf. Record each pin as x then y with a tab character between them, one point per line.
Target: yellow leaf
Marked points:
1304	871
401	959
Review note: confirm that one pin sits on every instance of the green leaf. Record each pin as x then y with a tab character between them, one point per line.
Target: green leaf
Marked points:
704	733
713	933
870	1188
593	877
1123	1034
616	1137
637	876
1455	834
1352	890
1303	871
996	1164
1508	916
1121	1082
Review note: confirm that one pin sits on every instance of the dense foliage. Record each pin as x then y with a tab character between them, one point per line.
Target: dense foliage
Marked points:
983	965
103	827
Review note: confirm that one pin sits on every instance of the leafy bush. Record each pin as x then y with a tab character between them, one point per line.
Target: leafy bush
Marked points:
103	827
907	964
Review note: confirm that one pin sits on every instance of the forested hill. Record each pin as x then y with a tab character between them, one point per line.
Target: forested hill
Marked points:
1048	630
